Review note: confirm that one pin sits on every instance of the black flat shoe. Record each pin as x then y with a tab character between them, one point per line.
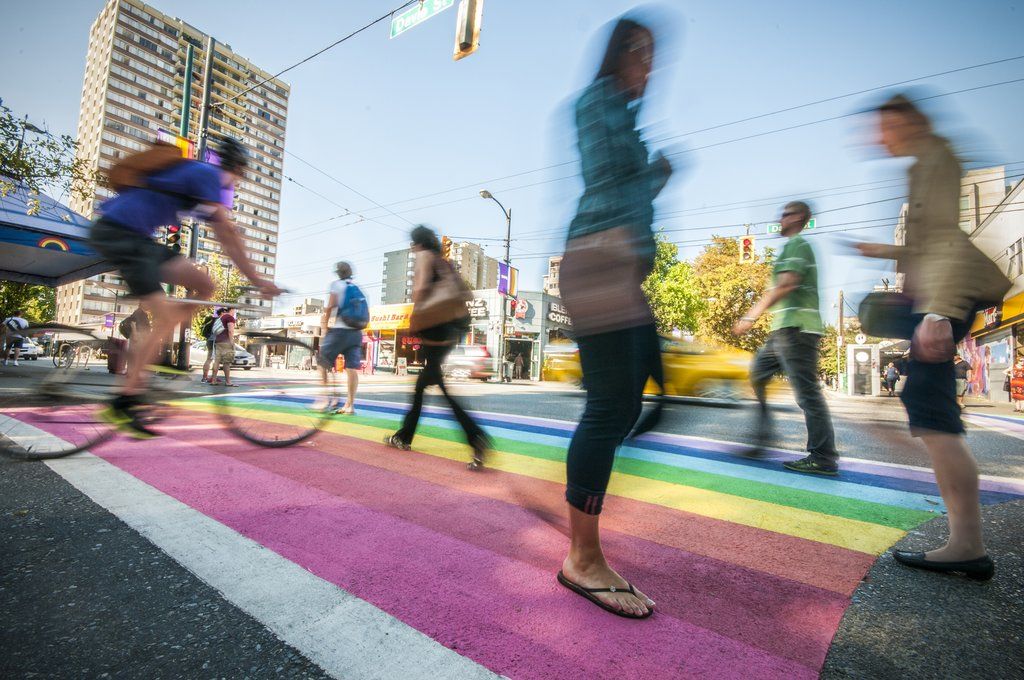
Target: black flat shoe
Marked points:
980	569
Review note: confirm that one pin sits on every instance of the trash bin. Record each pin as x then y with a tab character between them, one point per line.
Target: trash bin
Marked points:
117	355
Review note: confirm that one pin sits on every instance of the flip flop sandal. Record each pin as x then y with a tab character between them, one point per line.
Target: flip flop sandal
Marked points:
589	594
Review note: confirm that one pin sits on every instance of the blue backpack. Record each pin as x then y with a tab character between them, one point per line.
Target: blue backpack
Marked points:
353	310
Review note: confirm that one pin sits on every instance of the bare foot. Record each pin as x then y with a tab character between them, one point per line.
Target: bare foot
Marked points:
949	553
600	575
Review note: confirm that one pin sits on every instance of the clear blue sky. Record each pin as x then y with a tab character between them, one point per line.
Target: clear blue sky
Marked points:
398	119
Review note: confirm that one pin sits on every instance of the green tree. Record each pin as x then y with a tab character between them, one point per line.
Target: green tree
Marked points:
728	289
38	304
41	161
672	291
230	285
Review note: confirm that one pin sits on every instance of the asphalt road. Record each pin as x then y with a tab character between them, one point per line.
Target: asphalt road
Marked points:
84	595
869	428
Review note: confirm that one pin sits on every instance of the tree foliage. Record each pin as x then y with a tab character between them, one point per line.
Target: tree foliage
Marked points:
728	289
230	285
37	304
672	290
41	161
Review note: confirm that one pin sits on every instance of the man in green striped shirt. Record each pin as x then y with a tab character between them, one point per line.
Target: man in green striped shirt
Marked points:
793	344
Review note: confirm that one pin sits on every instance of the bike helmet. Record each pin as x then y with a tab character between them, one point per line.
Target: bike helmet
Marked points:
233	155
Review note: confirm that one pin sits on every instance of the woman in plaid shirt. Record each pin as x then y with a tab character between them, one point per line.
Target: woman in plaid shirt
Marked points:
610	251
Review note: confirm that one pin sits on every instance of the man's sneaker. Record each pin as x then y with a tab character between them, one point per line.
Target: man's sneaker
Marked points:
812	466
15	362
395	442
123	414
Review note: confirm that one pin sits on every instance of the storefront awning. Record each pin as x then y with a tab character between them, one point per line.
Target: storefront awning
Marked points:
43	241
390	317
997	318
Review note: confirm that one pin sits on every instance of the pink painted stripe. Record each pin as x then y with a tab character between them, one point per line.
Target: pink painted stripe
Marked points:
507	614
741	603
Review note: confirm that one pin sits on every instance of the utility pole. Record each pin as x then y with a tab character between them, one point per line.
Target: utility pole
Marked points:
840	342
204	121
484	193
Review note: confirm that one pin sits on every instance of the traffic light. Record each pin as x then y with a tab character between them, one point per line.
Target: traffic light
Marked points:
174	237
747	250
446	248
467	28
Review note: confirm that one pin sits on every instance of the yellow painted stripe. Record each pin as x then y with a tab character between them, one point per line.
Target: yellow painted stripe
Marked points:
852	534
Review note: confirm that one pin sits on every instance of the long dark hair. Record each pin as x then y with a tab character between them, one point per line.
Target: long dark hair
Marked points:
619	43
426	238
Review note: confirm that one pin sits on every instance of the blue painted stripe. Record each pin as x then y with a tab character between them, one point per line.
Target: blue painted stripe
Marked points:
915	488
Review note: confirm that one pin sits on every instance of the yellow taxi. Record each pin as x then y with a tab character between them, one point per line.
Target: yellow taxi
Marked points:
692	369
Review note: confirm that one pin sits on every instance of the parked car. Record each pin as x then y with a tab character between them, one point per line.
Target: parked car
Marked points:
691	370
30	349
469	361
243	359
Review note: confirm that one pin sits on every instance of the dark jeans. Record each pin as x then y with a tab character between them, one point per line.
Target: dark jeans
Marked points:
431	374
615	366
796	354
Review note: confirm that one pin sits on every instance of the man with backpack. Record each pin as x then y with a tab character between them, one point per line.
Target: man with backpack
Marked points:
222	334
345	338
207	333
155	188
12	338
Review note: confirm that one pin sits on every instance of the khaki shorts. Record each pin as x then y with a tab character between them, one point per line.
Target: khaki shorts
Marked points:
223	353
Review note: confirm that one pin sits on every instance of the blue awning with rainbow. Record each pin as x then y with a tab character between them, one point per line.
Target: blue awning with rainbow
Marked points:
43	241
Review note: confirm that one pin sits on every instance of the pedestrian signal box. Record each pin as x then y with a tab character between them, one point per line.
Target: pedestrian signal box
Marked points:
747	249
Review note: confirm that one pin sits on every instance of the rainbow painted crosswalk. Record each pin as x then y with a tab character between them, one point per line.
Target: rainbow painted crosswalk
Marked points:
751	567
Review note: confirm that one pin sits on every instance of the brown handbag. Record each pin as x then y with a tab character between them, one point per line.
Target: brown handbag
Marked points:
446	301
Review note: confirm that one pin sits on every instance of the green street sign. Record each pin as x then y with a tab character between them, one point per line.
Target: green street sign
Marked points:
775	227
417	14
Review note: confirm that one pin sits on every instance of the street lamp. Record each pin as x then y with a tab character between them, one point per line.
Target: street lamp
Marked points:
484	193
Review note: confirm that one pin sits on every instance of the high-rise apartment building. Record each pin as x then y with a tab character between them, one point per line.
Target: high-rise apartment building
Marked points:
478	270
551	278
133	90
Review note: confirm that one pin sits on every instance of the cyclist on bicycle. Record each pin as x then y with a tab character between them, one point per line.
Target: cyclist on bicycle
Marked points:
124	236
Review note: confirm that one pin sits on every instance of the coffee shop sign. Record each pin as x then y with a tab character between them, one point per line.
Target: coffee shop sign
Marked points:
477	308
557	313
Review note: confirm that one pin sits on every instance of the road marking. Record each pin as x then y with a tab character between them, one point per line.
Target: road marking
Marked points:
346	636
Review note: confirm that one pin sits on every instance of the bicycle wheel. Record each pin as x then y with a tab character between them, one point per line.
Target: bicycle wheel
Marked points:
278	411
52	412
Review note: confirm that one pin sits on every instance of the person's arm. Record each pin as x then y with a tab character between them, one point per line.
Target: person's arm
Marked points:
230	328
231	242
786	284
325	318
422	275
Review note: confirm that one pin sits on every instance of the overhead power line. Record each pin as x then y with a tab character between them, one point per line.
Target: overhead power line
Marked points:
722	125
317	53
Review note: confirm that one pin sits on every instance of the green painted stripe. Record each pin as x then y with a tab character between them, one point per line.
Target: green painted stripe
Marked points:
838	506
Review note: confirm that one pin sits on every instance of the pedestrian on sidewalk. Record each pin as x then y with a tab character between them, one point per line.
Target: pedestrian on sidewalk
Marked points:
206	330
432	277
962	372
1017	384
13	341
345	338
609	252
941	306
223	346
519	366
793	345
892	376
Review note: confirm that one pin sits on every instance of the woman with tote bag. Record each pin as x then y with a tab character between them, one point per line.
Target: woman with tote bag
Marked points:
439	318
